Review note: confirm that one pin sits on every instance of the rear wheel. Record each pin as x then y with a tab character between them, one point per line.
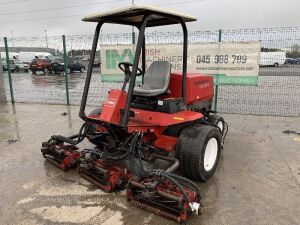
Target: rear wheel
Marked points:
198	150
217	121
92	129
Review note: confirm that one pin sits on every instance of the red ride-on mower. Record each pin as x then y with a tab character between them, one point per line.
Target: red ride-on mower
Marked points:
143	135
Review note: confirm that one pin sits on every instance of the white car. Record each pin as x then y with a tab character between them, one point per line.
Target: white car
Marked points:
20	66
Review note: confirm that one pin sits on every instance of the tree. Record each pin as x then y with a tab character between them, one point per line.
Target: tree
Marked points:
295	48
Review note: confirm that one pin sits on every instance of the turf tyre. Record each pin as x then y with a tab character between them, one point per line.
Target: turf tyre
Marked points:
190	150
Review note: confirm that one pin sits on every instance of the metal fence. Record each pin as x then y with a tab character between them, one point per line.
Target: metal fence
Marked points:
277	93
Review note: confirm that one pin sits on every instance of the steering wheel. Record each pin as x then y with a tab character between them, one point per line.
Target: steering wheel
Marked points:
125	67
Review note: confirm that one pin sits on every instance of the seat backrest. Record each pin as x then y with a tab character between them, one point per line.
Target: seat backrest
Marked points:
158	75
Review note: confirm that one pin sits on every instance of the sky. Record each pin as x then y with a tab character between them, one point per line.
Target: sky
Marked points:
22	18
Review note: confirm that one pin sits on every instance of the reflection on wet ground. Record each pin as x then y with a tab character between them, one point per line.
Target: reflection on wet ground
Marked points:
257	181
51	89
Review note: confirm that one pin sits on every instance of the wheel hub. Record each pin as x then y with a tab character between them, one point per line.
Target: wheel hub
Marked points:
210	155
220	125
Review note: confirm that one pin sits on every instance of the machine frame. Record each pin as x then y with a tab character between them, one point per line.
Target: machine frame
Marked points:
140	48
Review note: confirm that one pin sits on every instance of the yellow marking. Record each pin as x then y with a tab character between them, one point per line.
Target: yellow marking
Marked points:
178	118
297	139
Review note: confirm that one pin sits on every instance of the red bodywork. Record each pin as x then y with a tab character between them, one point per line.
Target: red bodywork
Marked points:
199	88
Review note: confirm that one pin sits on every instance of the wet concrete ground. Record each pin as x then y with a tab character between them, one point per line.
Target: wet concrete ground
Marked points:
257	181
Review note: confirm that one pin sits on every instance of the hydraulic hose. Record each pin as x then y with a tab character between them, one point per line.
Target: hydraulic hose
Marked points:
71	140
135	163
109	156
161	173
136	167
106	155
191	183
140	171
64	139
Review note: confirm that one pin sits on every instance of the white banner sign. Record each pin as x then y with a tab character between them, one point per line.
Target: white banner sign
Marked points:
225	58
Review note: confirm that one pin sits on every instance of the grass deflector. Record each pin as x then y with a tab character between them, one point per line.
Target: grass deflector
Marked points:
143	134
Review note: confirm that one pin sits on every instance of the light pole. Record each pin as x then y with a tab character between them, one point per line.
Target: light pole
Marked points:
46	38
12	37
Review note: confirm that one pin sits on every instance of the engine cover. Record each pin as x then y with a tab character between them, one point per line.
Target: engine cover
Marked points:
199	87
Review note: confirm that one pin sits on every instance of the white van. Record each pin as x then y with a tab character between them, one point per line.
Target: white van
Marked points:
27	57
272	58
12	55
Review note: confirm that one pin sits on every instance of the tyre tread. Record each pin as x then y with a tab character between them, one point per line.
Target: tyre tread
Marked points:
190	149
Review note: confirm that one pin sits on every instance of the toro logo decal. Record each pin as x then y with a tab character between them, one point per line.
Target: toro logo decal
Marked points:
110	102
202	84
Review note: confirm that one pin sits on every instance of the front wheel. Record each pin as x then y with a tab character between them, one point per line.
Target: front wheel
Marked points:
198	150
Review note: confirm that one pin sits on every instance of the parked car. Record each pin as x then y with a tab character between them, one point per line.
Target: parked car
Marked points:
20	66
96	63
58	66
292	61
43	65
5	68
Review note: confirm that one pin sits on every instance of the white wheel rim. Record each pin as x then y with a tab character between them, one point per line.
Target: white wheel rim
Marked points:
220	125
210	155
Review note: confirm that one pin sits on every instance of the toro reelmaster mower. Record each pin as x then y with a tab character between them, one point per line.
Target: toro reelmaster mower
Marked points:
144	134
